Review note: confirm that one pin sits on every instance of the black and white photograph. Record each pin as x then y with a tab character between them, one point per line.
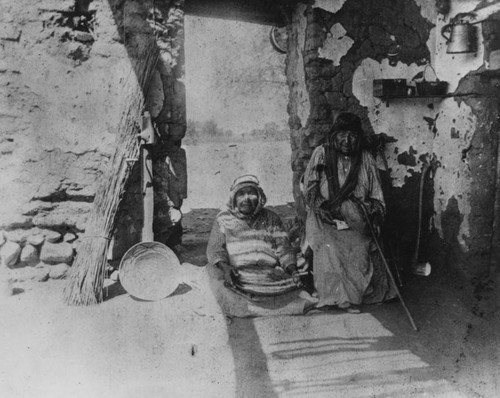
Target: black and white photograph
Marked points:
249	198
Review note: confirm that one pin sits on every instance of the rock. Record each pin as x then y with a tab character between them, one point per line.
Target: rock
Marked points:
57	5
17	236
52	236
34	207
58	271
29	273
36	239
44	276
2	238
53	253
16	221
9	32
86	193
9	253
67	214
69	237
13	220
76	245
83	37
81	223
29	254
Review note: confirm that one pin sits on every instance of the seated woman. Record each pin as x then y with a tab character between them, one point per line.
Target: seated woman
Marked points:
250	257
340	182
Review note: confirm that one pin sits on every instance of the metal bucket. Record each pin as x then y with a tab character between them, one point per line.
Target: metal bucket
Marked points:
149	270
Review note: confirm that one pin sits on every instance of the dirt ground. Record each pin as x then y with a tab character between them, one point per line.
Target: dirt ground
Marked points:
183	346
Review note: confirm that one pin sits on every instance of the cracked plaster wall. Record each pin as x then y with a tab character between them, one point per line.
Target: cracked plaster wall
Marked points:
458	131
63	67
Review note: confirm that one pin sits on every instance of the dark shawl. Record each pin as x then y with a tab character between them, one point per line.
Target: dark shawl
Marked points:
337	193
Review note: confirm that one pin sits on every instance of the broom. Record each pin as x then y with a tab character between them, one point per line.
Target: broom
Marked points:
417	268
86	278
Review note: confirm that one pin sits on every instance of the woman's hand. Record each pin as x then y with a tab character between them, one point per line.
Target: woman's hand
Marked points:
377	220
296	279
328	214
325	216
175	215
228	271
292	270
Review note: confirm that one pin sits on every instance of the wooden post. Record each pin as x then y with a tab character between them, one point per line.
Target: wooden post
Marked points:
148	138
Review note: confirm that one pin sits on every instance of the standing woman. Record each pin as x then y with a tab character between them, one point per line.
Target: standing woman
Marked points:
347	267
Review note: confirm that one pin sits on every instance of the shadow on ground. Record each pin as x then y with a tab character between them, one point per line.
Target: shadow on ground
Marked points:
336	354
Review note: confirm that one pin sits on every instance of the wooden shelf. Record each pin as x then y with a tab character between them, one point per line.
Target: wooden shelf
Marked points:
450	95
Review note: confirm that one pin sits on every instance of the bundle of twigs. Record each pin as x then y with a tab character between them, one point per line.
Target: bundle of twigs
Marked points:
86	279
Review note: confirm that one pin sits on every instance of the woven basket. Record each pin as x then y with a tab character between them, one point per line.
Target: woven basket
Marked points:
427	88
149	270
263	281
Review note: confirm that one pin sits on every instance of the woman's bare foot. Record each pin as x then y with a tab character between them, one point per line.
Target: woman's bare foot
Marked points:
349	308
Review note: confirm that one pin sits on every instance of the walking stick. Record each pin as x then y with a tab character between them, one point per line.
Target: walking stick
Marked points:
375	239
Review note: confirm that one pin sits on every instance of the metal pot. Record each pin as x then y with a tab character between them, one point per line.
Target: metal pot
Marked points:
461	38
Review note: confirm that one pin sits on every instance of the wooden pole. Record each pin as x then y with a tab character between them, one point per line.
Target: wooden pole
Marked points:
148	138
388	269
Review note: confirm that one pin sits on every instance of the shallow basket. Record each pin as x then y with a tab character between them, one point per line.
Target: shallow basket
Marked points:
260	281
149	270
429	89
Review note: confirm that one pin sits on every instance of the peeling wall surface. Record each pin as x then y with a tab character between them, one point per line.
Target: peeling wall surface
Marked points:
63	65
452	139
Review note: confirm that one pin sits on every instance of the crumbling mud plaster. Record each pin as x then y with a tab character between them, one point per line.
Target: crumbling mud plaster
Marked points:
368	32
58	112
403	120
467	142
299	105
455	126
63	66
331	6
336	45
390	40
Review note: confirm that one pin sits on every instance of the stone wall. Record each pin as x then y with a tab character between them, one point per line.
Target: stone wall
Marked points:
63	65
337	49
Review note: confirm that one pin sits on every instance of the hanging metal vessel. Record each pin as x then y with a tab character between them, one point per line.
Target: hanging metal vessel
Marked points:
461	39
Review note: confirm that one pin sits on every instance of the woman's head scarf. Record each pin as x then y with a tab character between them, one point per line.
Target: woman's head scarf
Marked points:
246	180
345	121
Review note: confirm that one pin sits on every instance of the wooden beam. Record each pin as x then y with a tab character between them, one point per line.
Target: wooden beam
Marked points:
265	12
480	14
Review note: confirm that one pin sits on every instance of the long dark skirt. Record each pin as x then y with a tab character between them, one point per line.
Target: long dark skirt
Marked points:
347	267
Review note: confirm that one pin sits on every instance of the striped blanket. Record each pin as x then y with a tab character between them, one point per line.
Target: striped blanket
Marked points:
240	242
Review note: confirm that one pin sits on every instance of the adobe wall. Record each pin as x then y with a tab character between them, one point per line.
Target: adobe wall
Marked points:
63	66
337	49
